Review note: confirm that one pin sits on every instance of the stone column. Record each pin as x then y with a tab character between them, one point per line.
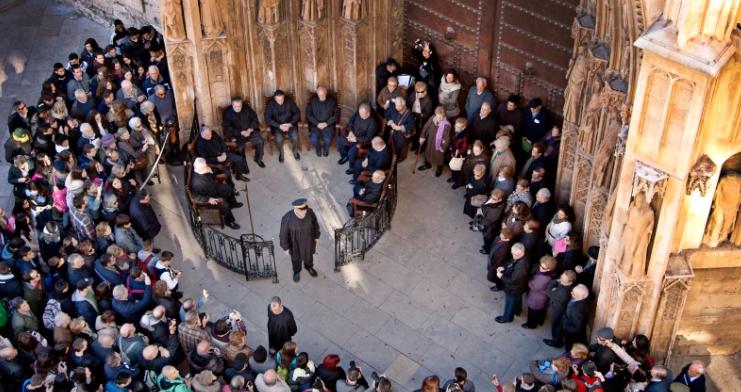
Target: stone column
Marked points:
670	113
677	281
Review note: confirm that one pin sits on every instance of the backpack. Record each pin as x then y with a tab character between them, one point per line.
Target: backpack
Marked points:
53	307
150	380
3	315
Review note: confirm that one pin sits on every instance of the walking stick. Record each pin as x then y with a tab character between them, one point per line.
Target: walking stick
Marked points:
416	159
249	209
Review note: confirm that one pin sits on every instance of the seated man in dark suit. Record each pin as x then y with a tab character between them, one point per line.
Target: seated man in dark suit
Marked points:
241	126
211	147
282	116
360	130
205	188
321	112
369	194
400	121
379	158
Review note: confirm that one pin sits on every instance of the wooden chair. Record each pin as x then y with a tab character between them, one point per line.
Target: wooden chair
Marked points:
209	214
340	127
232	145
267	133
360	206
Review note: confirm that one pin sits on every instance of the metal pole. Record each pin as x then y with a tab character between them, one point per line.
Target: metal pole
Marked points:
155	165
249	209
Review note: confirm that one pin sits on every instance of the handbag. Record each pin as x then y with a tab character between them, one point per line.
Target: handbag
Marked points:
559	246
478	200
456	163
526	144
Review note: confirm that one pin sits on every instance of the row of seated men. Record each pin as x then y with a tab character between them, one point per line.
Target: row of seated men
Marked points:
366	153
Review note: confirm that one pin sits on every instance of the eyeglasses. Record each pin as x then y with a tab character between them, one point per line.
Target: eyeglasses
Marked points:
420	91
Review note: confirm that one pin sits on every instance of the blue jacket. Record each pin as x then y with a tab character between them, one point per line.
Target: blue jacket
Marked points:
84	308
131	311
104	274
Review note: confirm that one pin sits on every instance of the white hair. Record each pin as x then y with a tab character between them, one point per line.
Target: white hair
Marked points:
518	247
482	80
134	122
544	192
400	100
146	107
126	83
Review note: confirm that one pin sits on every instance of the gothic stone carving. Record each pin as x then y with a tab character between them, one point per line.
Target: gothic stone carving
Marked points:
577	76
309	52
700	174
637	232
352	9
725	210
211	20
172	22
269	12
648	180
266	35
312	10
597	208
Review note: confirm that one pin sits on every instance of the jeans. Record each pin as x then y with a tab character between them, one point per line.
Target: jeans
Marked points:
256	141
326	138
280	135
512	305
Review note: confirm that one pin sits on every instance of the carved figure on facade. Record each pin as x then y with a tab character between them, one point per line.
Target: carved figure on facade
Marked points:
605	155
352	10
636	236
577	77
725	210
700	174
172	22
590	119
268	11
211	20
607	215
312	10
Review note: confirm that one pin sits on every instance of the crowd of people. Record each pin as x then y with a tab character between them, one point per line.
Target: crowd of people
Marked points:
88	303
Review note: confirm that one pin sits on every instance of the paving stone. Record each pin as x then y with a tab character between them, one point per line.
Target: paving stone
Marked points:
366	316
402	369
409	311
404	338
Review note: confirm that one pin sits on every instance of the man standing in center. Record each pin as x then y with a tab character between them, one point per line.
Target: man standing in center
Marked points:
321	112
282	116
281	325
299	234
514	276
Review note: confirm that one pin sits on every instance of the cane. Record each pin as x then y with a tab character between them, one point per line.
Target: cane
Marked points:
416	159
249	209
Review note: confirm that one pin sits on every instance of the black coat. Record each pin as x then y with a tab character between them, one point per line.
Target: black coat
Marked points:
281	328
211	149
498	256
575	318
234	122
558	297
203	186
483	129
493	214
372	192
280	114
321	111
534	128
698	385
543	213
516	276
364	129
144	219
378	160
570	259
298	236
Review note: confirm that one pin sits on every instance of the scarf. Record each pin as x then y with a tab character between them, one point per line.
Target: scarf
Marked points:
448	88
440	131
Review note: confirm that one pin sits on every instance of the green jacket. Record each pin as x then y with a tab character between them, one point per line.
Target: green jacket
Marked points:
176	385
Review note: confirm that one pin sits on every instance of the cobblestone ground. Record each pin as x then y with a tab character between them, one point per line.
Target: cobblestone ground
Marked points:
419	304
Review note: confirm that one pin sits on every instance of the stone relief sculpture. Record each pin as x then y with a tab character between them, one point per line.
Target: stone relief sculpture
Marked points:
725	210
352	9
700	174
312	10
211	21
269	11
577	76
590	119
637	231
606	152
173	20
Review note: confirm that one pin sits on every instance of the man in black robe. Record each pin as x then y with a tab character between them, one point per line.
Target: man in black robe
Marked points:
360	130
321	112
211	147
241	125
282	116
299	234
378	158
206	189
281	325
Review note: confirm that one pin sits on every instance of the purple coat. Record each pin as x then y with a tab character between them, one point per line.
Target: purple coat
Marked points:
536	297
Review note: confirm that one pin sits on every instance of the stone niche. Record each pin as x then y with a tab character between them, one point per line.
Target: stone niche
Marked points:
258	46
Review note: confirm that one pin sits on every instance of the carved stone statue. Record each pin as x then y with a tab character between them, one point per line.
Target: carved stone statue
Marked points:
639	226
173	20
700	174
725	209
352	9
269	11
590	123
607	216
605	154
211	18
577	76
312	10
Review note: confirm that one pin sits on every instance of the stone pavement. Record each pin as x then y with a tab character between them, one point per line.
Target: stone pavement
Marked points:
419	304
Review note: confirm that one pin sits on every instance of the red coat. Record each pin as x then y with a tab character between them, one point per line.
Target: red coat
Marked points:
459	144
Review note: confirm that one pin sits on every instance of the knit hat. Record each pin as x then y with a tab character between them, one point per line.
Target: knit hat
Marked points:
59	165
107	140
75	186
20	135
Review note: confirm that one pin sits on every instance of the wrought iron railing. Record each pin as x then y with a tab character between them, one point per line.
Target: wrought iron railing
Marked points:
358	235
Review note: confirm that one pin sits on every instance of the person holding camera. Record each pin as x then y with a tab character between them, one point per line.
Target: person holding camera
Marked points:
354	381
429	68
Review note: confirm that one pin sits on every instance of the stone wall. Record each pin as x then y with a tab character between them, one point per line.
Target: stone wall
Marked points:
132	12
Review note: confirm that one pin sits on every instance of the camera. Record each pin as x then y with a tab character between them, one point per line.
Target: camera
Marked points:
418	44
375	377
352	364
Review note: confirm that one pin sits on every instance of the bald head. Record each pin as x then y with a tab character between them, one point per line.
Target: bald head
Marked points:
270	377
128	330
203	347
580	292
158	312
150	352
